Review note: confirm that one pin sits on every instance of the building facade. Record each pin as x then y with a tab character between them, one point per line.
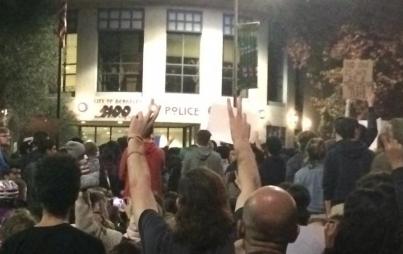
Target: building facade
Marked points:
120	56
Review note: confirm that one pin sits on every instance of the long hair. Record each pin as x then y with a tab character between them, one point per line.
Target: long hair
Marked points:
203	219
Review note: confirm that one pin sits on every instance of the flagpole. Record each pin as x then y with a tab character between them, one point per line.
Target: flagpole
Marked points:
235	60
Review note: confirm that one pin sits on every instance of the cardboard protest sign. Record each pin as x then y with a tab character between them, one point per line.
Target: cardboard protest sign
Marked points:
357	78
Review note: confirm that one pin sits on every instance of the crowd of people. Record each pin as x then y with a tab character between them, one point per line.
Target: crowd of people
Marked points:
130	196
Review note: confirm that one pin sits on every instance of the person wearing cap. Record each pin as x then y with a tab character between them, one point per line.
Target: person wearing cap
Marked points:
202	155
89	174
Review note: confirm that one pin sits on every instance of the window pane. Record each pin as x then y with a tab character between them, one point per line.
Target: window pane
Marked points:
88	133
172	15
103	14
138	15
189	27
174	45
114	14
197	17
174	69
180	16
70	83
126	14
177	135
180	26
120	61
137	25
197	27
227	87
190	70
171	26
190	84
103	24
103	135
189	17
125	24
173	84
118	132
228	50
114	24
71	69
192	46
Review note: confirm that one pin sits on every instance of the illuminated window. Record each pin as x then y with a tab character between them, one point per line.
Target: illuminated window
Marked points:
182	69
228	66
70	54
120	60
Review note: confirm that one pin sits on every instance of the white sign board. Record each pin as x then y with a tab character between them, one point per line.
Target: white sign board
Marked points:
357	78
218	123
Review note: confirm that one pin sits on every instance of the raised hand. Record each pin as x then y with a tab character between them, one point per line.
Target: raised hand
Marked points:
140	124
240	129
393	151
371	97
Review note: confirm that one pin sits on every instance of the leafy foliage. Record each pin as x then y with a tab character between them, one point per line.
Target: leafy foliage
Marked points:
29	59
321	33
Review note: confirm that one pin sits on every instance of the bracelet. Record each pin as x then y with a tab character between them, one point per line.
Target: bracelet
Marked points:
137	138
135	152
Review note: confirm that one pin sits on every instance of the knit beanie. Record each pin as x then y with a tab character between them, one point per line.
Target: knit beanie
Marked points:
75	149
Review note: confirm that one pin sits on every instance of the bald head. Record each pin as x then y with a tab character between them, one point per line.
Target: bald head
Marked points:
270	215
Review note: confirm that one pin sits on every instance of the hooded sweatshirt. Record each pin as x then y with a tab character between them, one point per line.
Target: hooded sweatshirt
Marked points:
202	157
156	162
345	163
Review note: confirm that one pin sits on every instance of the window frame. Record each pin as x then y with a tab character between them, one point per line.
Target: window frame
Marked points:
101	74
176	12
182	64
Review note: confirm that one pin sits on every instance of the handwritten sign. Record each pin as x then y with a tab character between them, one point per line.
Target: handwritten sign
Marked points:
357	78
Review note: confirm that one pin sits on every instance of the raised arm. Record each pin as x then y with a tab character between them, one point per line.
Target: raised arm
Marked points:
139	173
372	129
248	174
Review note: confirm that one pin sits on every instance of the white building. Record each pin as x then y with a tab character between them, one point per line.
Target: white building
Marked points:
120	54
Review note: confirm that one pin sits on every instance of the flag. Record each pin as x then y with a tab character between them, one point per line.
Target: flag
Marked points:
62	24
247	43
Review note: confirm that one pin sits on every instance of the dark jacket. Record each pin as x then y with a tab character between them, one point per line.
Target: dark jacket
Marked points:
272	171
345	163
371	131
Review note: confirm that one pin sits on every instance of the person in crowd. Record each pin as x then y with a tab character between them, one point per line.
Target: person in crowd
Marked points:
272	170
202	155
5	139
109	172
92	217
263	228
57	183
16	221
346	162
393	129
224	151
92	178
40	149
311	238
203	220
126	247
14	174
296	162
174	167
302	199
156	163
170	208
311	176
